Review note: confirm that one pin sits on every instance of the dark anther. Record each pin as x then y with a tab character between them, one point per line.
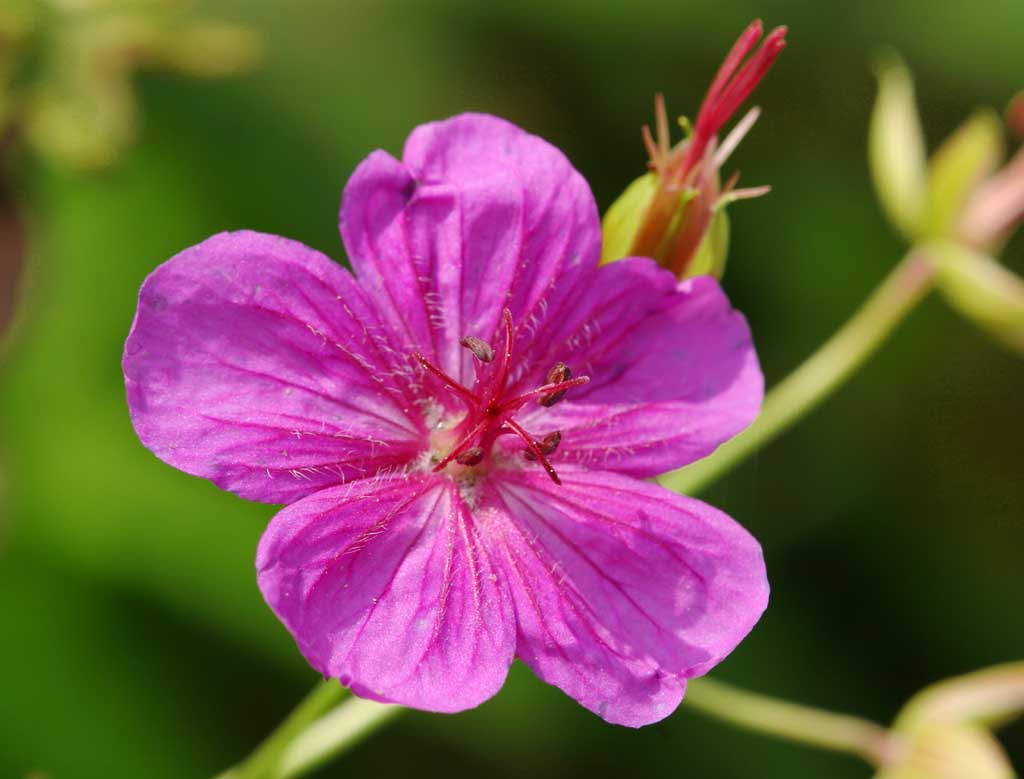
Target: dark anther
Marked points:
547	446
559	373
472	456
480	348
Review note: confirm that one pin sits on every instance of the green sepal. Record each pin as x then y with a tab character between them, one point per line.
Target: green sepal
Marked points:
944	730
967	157
622	219
944	751
984	291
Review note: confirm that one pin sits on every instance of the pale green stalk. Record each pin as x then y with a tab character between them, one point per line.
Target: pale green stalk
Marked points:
793	721
823	372
265	761
334	733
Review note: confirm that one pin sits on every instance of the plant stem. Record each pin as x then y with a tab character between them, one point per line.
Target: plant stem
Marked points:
793	721
334	733
823	372
265	762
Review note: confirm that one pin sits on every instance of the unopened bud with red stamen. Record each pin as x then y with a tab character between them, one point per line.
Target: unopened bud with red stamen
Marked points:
480	348
547	446
675	213
559	373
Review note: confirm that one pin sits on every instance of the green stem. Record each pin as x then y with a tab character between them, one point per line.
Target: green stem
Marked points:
333	734
265	762
820	375
792	721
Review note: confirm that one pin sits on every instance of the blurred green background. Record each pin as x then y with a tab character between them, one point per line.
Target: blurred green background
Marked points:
135	642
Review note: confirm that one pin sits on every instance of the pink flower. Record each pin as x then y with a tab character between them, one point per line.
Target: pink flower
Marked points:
462	429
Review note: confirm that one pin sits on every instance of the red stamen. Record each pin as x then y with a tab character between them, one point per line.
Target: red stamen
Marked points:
546	389
534	448
461	446
697	215
472	456
448	380
480	348
653	152
661	118
548	445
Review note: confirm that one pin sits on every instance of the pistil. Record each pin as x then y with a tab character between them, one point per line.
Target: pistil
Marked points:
489	413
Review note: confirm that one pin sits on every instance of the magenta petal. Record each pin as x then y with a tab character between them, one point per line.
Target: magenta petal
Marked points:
673	372
249	364
478	216
386	586
622	589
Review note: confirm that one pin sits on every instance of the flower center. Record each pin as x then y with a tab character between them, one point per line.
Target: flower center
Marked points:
489	412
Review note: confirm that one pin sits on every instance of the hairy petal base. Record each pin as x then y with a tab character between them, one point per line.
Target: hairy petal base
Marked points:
673	367
385	585
251	363
622	589
479	216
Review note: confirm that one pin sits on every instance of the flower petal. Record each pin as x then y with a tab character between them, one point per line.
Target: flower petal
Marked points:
622	589
385	585
478	216
249	363
673	372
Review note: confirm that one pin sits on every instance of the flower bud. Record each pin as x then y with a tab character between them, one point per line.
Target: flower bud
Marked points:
951	752
984	291
960	195
896	149
674	214
943	729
